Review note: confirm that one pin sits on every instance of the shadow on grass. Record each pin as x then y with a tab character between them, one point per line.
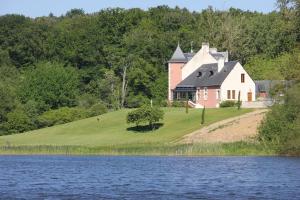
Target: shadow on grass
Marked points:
145	128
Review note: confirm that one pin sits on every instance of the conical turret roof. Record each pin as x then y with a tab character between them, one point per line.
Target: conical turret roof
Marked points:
178	55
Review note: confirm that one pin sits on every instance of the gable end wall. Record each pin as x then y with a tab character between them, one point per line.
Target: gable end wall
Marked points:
233	82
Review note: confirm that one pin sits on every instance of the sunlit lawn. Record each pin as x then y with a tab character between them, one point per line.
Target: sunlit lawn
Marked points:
112	129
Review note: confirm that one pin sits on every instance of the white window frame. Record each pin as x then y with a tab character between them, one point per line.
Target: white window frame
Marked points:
218	94
205	93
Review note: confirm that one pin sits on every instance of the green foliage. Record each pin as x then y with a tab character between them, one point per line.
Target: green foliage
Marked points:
178	104
203	116
145	114
18	121
227	103
112	129
7	102
239	102
51	85
280	128
88	53
87	100
61	116
291	68
187	107
259	67
137	101
97	109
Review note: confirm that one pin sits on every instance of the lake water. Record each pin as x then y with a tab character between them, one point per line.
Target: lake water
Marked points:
108	177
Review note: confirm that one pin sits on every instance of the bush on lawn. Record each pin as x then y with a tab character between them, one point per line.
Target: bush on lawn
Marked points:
145	114
61	116
178	103
227	103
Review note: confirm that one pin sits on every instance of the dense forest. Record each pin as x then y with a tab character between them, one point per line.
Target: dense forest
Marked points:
58	69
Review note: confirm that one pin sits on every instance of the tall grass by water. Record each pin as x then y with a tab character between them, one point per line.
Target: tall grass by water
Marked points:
237	148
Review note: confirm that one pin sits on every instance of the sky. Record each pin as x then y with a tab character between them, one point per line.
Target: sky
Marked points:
37	8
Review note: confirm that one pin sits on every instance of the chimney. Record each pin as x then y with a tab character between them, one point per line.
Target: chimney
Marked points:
221	62
205	47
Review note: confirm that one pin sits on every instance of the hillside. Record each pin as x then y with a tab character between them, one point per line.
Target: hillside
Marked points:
113	130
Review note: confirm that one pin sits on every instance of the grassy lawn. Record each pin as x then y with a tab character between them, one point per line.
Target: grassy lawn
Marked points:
112	130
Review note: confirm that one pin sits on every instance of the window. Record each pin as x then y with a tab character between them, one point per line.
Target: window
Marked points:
205	93
199	74
218	94
242	78
211	73
199	93
233	94
228	94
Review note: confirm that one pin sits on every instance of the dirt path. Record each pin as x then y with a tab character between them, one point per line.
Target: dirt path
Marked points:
234	129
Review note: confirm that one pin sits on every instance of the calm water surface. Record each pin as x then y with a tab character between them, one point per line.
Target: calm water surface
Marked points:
93	177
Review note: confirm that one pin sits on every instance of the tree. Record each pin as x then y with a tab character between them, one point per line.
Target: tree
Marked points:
18	121
145	114
239	103
51	85
187	106
280	128
203	116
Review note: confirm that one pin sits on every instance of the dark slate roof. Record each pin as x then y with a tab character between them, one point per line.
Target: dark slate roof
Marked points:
189	56
178	56
206	79
217	55
266	85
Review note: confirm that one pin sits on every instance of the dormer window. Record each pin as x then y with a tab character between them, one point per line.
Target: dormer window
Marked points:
199	74
211	73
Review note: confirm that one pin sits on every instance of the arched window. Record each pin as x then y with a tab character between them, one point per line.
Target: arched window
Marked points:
211	73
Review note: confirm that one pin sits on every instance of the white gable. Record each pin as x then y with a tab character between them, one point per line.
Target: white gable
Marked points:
200	58
233	82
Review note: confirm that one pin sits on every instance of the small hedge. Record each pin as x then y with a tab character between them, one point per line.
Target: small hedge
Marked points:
97	109
66	114
61	116
178	103
228	103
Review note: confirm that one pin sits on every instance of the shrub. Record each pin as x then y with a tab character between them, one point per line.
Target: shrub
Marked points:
97	109
137	101
87	100
280	129
227	103
239	102
52	84
203	116
62	115
160	102
18	121
145	114
178	104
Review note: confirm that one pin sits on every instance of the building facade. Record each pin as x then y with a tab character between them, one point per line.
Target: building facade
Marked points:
207	78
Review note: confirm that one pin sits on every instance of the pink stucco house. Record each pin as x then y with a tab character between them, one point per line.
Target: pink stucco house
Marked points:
207	78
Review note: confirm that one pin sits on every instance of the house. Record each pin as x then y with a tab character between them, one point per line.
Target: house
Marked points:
207	78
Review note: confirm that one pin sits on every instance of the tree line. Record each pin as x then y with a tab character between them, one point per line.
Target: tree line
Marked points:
117	57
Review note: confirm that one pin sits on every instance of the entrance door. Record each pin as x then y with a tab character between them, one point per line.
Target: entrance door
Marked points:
249	96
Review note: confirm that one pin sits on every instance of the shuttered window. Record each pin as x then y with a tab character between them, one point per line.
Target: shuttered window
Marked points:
228	94
233	94
242	78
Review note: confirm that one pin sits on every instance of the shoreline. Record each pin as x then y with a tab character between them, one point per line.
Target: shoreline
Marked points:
202	149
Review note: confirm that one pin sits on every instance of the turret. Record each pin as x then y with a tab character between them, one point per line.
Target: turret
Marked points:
176	63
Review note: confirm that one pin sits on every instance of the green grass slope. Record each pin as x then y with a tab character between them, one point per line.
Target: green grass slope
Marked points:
112	129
